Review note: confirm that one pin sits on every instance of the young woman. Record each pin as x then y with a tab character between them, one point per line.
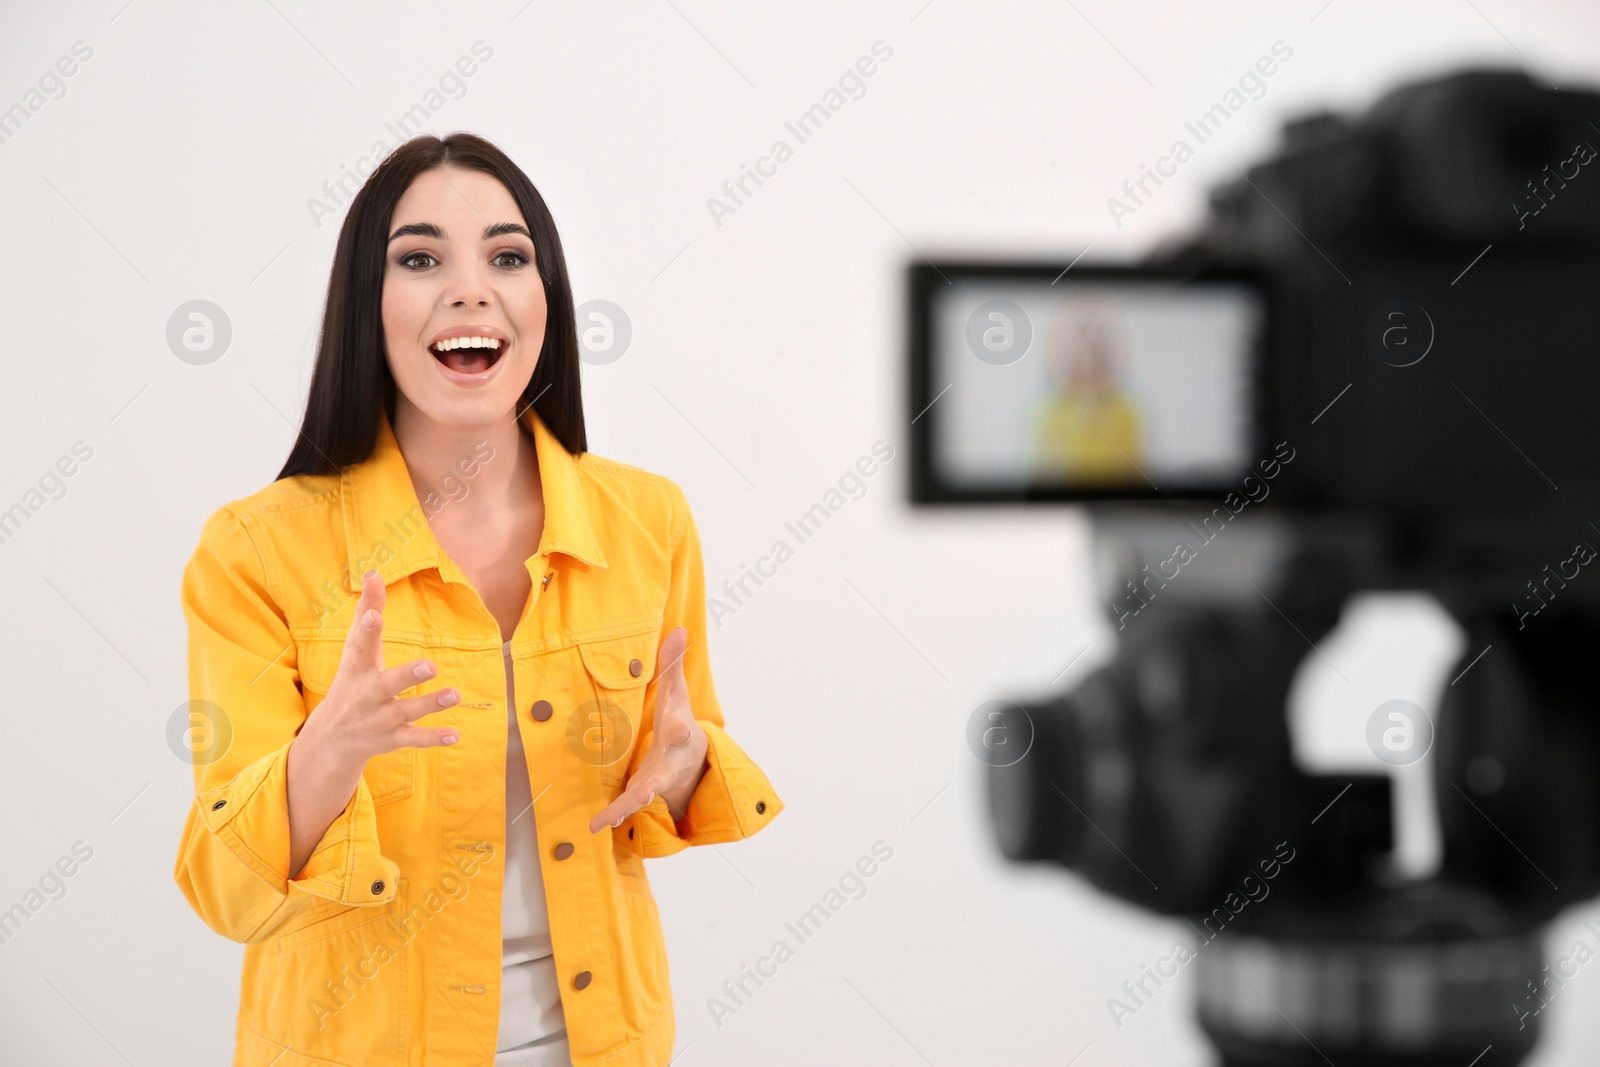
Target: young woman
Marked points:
366	833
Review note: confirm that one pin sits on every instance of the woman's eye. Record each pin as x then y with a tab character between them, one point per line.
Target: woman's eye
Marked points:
511	259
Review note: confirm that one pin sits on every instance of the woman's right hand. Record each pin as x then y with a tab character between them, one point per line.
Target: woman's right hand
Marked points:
362	715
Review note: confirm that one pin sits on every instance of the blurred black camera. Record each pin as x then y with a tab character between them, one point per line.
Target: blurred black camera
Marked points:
1374	368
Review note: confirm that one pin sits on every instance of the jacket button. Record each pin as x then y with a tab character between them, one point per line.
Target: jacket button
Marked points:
581	980
542	710
377	887
634	667
546	581
761	806
218	805
563	850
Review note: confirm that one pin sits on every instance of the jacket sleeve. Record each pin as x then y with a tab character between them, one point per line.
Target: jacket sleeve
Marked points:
245	709
734	798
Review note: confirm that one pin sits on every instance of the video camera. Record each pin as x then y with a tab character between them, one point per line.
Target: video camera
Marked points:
1374	368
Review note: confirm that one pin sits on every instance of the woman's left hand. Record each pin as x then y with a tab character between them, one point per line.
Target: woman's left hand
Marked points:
676	759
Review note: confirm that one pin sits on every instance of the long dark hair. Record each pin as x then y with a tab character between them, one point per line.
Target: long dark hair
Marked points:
351	377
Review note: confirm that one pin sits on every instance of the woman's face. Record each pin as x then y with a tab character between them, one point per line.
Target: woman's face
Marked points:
460	263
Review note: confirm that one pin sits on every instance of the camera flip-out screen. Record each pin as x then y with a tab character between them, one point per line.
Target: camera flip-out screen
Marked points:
1097	383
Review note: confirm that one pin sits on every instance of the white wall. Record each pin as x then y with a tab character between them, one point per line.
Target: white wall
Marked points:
178	166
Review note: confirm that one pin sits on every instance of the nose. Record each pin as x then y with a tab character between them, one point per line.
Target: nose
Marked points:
468	286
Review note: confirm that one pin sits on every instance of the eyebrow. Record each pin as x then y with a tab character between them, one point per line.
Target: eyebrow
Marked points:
428	229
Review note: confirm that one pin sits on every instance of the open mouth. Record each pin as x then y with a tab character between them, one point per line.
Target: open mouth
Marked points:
468	355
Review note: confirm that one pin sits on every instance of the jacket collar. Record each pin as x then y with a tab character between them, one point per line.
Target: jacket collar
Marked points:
387	527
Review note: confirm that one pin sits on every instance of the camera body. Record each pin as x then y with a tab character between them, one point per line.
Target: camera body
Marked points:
1425	414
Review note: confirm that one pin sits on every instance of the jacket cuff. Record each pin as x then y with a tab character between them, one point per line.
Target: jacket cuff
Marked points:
249	815
733	800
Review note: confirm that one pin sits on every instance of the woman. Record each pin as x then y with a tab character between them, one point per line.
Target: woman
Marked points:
440	520
1086	426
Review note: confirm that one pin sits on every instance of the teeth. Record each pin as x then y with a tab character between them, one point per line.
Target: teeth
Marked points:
467	342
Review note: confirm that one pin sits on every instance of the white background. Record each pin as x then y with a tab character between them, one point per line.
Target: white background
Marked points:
767	356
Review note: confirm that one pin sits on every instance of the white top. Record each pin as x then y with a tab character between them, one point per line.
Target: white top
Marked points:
530	995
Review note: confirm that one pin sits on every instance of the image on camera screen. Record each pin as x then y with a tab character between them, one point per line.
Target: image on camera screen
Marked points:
1121	385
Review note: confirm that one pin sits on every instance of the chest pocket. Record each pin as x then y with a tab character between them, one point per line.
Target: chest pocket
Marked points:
606	728
391	775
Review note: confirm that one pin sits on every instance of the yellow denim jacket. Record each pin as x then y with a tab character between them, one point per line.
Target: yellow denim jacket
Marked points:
385	950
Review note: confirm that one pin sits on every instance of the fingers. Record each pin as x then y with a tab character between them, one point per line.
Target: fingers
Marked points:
411	736
652	778
670	733
364	642
669	658
613	815
413	708
641	791
396	680
672	690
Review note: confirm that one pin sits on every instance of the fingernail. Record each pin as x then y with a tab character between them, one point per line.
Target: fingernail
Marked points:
424	671
370	574
448	697
451	740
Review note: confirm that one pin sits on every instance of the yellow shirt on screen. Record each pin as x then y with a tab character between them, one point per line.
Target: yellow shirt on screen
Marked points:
1089	441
